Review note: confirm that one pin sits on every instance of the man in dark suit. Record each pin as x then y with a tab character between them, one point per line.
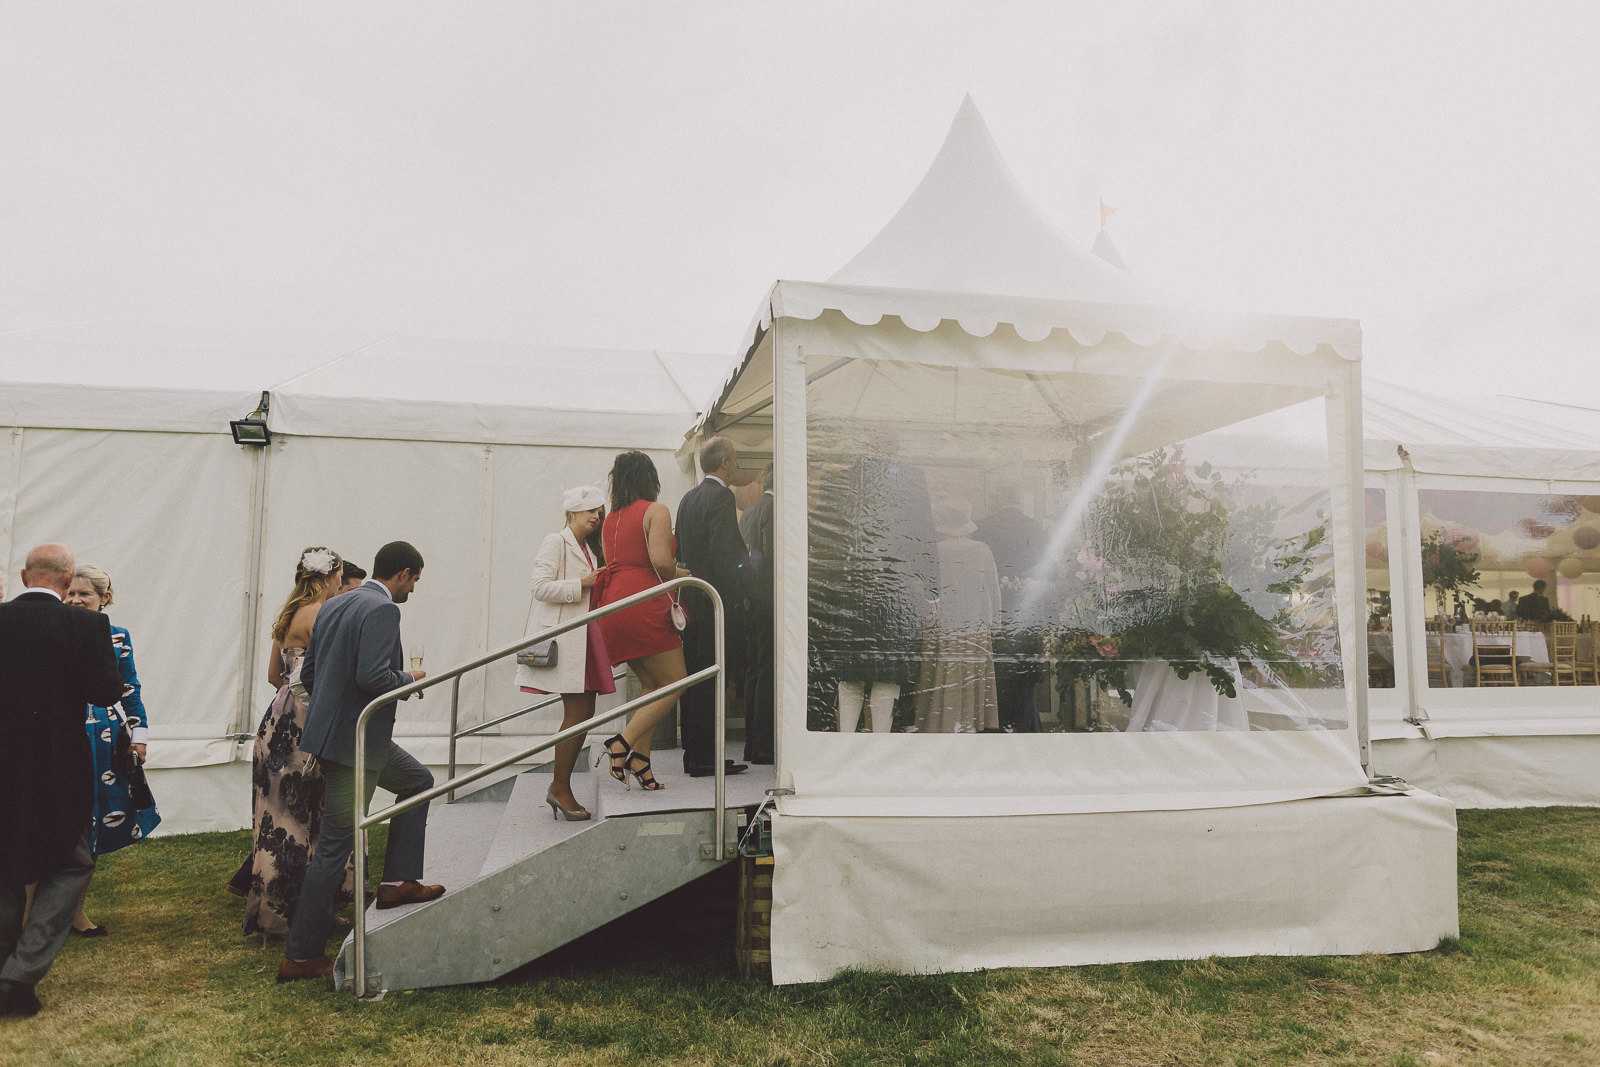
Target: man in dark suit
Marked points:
1535	607
755	526
355	655
55	660
710	547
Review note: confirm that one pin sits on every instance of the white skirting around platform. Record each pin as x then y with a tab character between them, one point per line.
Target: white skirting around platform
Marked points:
1497	771
1327	876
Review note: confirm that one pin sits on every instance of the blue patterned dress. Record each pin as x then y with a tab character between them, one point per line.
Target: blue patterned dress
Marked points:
116	824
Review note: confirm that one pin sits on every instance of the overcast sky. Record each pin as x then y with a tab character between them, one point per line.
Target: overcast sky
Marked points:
635	175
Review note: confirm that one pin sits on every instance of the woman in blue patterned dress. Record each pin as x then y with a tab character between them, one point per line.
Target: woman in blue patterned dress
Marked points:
116	822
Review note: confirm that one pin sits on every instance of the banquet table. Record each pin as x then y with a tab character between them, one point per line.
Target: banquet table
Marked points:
1457	648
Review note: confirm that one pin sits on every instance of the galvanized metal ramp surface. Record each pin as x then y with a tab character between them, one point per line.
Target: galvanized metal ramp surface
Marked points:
520	883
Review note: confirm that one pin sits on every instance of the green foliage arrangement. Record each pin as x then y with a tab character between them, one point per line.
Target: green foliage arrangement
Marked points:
1175	567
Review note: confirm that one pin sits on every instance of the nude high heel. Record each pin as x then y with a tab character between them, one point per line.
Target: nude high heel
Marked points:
566	814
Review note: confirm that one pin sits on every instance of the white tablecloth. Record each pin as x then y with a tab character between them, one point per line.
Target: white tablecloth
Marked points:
1458	650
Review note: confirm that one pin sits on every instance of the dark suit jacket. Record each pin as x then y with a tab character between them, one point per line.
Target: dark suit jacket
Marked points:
354	655
710	546
755	526
55	661
1535	607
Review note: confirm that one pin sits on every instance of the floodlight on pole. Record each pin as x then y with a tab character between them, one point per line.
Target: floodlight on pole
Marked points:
252	429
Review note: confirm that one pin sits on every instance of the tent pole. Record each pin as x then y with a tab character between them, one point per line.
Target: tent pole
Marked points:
252	592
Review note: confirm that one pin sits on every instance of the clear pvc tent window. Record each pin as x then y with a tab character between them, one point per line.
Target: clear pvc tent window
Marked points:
999	550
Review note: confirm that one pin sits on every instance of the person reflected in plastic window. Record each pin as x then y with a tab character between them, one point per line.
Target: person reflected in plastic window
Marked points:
956	693
1018	542
877	567
755	526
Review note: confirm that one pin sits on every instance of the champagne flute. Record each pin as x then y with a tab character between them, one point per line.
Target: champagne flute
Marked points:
416	656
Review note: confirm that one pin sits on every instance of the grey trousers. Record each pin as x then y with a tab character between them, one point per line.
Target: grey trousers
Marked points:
29	948
398	772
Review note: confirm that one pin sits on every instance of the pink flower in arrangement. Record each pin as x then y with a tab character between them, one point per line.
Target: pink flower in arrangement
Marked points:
1109	647
1197	505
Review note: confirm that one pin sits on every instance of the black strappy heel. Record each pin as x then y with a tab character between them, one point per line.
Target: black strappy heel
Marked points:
645	776
619	760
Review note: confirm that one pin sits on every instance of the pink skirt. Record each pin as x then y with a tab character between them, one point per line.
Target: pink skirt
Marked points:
596	668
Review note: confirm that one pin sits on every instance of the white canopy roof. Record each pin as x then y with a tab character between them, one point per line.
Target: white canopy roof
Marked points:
109	374
1480	437
970	228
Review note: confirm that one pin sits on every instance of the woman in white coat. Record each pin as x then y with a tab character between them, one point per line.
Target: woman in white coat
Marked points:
563	575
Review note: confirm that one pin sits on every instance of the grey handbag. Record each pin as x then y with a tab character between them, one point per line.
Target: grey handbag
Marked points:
544	654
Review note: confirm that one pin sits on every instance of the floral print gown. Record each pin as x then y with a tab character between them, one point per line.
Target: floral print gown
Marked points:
287	812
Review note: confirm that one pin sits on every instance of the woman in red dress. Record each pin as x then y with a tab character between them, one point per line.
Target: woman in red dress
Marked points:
640	553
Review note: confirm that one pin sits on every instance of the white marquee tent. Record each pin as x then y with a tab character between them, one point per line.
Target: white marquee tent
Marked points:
115	441
982	343
1497	459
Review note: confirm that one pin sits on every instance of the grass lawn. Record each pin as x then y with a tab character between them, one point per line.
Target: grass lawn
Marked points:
177	984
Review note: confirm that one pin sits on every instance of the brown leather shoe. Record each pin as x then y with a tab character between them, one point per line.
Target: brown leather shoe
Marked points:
412	892
294	970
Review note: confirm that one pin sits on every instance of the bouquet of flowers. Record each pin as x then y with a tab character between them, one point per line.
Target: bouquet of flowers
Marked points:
1177	566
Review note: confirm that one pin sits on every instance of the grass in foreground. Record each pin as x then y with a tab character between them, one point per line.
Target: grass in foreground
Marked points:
176	984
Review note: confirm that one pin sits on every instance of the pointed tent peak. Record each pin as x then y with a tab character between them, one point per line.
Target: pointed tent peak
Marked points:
970	227
1106	249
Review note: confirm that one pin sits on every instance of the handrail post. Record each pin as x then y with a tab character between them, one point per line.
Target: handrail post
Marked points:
455	709
719	819
360	805
455	690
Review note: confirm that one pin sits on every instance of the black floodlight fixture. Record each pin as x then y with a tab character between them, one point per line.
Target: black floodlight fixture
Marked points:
252	429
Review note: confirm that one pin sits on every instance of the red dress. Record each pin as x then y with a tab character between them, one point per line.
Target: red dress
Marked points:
645	629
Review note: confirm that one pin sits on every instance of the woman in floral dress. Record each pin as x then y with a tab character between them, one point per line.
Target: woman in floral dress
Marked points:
288	796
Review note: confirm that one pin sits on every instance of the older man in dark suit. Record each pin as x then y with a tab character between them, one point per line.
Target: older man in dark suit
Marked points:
710	547
354	656
55	660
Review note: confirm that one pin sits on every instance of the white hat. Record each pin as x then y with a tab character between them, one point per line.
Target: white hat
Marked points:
582	498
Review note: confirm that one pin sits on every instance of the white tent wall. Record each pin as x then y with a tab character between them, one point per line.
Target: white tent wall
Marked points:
477	513
115	442
167	515
918	895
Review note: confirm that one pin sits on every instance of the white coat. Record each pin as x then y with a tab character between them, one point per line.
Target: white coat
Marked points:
559	596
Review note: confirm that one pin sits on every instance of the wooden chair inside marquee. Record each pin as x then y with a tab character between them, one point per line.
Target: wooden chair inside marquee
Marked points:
1586	657
1562	640
1493	657
1438	672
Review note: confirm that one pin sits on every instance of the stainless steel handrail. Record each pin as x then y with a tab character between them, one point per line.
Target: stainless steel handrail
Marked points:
365	820
457	734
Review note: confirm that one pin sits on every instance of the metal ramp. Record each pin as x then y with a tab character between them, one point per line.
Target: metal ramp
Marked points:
520	884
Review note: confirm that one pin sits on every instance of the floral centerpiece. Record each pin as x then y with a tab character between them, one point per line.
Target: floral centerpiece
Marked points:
1449	568
1178	566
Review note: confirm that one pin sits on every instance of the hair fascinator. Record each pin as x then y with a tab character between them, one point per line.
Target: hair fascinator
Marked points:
319	561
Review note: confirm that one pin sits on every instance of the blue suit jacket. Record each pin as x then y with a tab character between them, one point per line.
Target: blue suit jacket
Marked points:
354	655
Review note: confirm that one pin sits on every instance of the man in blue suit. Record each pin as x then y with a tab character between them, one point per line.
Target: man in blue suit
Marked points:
355	655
